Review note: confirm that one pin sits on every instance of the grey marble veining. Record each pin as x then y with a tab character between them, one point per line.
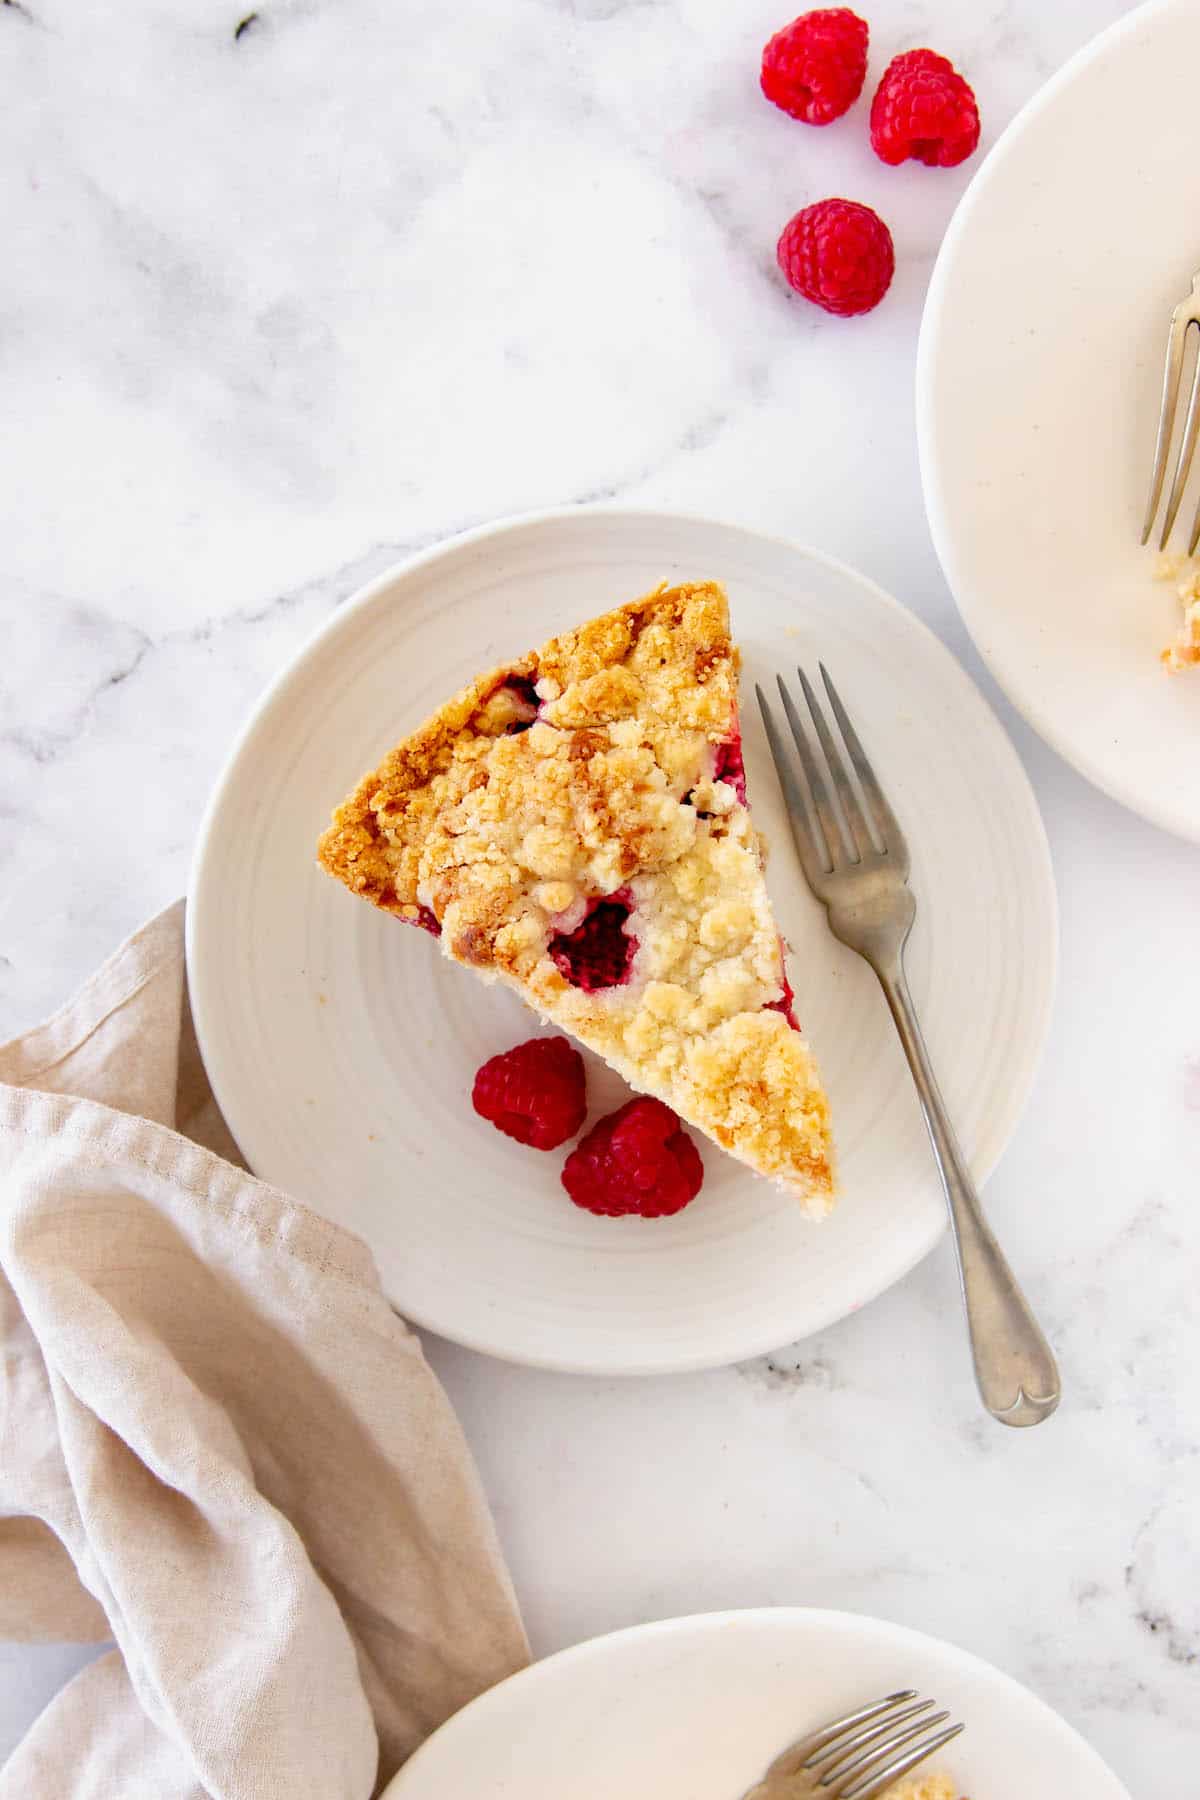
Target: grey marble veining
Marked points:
296	289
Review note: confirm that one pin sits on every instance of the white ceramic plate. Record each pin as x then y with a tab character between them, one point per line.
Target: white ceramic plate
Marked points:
1038	386
342	1046
695	1709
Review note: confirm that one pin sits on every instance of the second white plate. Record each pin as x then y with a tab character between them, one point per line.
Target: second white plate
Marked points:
342	1046
1038	385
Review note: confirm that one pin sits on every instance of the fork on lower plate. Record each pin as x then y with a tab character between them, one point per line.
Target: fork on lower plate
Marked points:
856	862
860	1755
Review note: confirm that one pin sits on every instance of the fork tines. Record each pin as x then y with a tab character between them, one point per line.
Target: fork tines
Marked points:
1185	315
847	832
858	1756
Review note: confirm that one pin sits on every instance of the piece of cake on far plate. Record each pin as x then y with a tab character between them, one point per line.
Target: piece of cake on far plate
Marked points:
922	1787
1184	573
574	824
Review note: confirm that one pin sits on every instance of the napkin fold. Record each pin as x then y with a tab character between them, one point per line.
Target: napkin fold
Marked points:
219	1446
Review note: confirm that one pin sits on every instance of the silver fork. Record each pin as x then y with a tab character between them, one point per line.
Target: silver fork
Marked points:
859	871
1185	315
858	1756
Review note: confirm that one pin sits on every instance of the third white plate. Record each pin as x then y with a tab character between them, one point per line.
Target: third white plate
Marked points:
695	1709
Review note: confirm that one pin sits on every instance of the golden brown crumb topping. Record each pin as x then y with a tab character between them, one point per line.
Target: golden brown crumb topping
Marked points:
1184	573
922	1787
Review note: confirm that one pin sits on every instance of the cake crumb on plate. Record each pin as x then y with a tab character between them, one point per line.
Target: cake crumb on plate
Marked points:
1184	572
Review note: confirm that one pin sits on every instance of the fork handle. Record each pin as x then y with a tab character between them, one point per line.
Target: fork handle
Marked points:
1014	1365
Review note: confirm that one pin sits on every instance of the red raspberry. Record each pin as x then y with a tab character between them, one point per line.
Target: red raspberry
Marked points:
839	255
637	1160
815	67
535	1093
923	108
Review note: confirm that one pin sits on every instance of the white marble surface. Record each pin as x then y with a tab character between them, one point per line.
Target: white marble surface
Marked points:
282	307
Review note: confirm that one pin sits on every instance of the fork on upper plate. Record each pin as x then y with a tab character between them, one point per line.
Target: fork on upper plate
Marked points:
1185	315
860	1755
856	861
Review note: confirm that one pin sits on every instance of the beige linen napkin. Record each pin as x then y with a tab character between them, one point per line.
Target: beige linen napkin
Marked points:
219	1446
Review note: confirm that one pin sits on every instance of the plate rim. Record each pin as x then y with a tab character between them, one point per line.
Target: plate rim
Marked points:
203	1002
783	1616
1155	810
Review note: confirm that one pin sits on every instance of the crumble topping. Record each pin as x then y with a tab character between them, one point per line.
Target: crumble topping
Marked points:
922	1787
604	772
1184	572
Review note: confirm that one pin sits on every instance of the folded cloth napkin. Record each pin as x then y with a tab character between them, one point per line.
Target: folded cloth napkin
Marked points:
219	1447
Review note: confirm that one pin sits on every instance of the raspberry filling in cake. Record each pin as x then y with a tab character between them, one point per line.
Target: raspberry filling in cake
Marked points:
422	916
525	703
786	1003
600	952
729	764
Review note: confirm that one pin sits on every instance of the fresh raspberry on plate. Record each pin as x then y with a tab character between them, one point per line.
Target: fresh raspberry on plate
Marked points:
535	1093
839	255
924	109
637	1160
815	67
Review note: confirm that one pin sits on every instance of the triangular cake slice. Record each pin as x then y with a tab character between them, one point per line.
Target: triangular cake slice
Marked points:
575	825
